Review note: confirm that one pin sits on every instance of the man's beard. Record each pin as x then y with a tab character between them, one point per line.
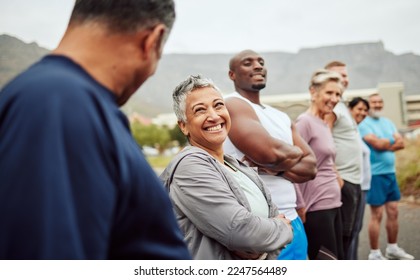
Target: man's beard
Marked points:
258	86
376	114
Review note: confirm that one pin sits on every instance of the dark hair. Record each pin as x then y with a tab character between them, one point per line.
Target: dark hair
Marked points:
356	101
125	15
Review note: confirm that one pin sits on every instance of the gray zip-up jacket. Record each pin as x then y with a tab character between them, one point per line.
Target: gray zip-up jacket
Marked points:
213	212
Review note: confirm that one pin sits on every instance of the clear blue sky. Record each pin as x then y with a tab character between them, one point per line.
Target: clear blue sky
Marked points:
225	26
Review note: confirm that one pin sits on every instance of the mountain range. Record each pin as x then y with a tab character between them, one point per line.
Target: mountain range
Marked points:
368	64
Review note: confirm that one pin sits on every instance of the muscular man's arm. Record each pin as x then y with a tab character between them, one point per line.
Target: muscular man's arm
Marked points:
250	137
305	169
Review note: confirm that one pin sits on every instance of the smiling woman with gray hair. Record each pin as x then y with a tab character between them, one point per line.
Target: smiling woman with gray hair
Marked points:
221	205
322	195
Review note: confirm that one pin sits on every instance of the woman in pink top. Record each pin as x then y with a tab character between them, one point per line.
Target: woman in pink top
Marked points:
321	196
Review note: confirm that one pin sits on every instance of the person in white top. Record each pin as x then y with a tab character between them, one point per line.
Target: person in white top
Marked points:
266	138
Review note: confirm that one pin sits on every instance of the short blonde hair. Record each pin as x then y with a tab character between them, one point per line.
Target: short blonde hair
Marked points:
321	76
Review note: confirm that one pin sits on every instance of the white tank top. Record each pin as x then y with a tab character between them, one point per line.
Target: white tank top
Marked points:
278	125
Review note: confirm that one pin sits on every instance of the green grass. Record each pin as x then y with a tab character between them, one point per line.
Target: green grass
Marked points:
408	168
159	161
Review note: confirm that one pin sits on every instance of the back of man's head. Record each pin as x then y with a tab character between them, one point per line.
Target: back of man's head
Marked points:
334	63
124	15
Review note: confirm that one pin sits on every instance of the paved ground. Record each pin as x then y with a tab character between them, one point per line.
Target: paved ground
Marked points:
409	232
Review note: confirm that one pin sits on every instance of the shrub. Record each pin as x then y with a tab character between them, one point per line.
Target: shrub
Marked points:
408	167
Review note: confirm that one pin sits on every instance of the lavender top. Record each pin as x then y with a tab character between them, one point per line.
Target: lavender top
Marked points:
323	192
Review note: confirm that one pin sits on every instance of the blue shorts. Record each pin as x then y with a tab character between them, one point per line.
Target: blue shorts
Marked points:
383	188
298	248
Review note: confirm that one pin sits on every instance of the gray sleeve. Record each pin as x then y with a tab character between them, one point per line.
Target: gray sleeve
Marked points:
200	192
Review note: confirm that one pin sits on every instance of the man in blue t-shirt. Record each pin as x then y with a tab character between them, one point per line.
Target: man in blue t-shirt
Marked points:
73	182
383	140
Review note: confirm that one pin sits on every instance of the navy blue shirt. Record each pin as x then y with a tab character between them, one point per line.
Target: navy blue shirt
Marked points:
73	182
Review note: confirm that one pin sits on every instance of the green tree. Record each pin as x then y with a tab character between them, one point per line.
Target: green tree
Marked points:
177	135
151	135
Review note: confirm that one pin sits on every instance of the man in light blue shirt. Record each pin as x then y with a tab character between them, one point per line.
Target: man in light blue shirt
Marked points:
383	140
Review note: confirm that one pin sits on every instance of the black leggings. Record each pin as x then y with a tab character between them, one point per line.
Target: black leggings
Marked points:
324	228
351	195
